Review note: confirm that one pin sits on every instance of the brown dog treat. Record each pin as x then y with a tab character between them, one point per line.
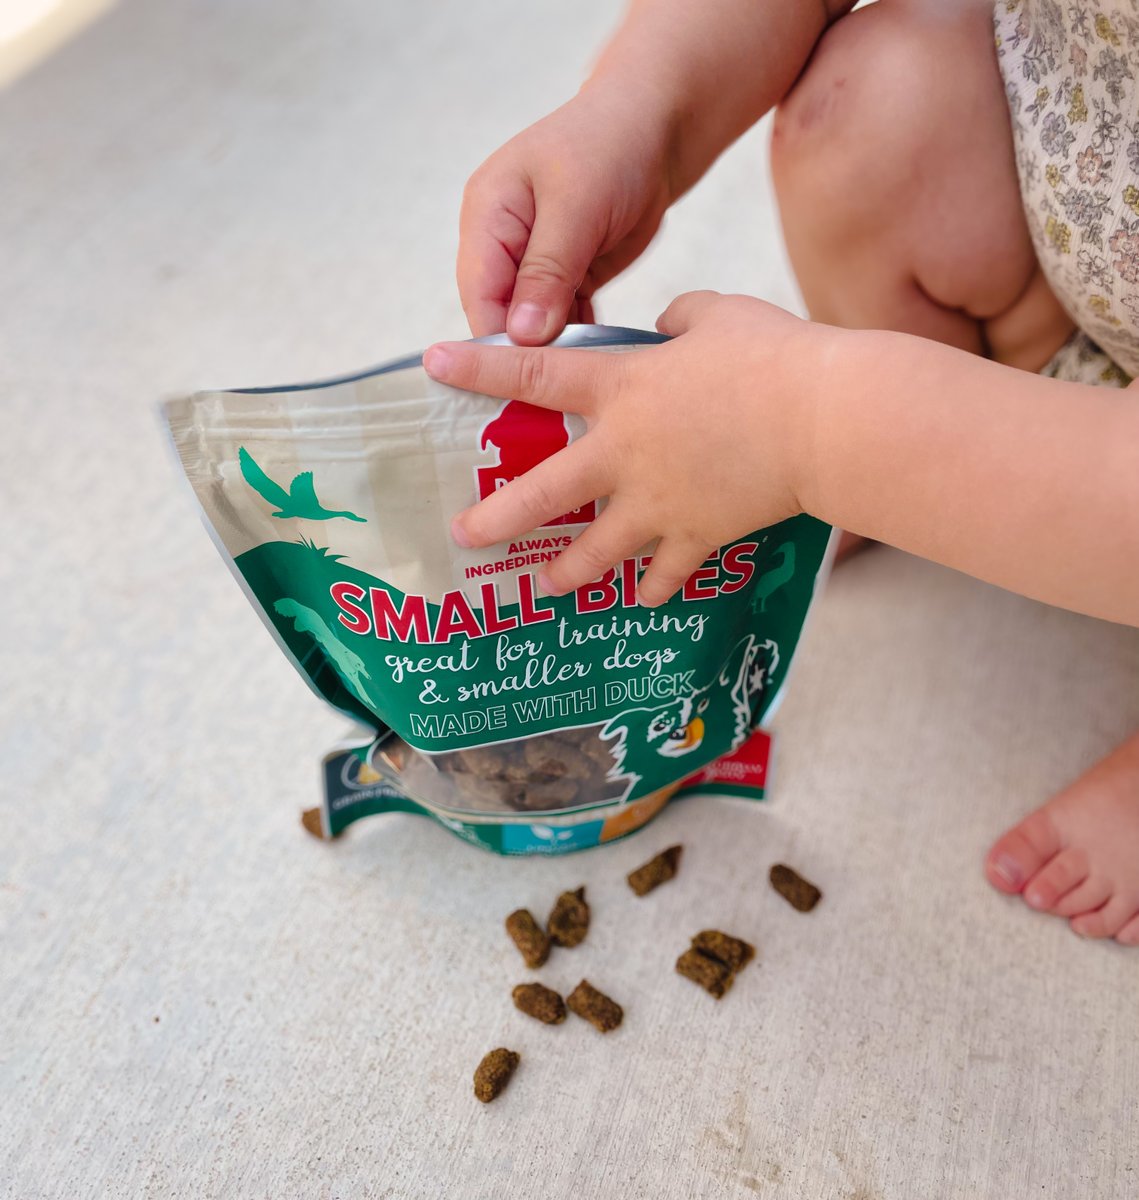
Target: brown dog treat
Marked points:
529	937
713	976
595	1007
543	773
794	888
540	1002
732	952
494	1072
656	871
515	770
552	793
597	751
487	761
310	819
584	770
483	793
569	922
546	757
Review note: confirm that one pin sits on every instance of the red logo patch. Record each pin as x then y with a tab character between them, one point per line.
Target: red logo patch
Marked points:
525	435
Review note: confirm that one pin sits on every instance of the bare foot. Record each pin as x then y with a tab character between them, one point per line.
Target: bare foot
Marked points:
1078	855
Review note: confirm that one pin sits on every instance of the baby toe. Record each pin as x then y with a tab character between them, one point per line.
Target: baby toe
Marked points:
1107	921
1088	896
1129	934
1056	879
1020	853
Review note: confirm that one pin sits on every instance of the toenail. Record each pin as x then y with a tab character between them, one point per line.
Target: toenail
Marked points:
1008	870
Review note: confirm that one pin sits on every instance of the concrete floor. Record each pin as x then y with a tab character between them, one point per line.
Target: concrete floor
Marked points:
197	1000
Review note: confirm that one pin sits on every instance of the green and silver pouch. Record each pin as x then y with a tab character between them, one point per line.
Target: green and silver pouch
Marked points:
524	723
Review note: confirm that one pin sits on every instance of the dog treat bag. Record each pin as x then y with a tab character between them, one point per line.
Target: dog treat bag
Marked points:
524	723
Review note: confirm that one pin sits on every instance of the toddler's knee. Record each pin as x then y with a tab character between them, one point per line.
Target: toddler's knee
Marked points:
849	125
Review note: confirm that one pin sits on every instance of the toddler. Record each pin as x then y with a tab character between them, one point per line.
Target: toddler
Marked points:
962	213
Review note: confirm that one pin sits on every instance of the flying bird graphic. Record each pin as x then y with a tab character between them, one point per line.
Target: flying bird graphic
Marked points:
299	501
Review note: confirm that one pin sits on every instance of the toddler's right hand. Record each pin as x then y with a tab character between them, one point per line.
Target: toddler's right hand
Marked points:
561	209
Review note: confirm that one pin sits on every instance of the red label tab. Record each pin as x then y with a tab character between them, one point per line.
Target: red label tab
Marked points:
525	435
745	767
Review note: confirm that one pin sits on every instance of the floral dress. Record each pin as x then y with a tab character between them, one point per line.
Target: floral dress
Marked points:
1071	74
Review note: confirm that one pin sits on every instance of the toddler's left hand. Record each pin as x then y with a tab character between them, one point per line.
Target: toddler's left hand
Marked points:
697	441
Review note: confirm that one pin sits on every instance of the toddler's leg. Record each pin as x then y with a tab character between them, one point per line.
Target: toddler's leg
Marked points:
893	162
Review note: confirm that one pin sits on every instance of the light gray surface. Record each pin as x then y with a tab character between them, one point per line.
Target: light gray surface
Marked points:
196	999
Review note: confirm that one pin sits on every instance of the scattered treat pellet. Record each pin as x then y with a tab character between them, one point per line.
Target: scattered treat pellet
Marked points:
794	888
595	1007
310	819
529	937
656	871
713	960
540	1002
732	952
569	922
713	976
494	1072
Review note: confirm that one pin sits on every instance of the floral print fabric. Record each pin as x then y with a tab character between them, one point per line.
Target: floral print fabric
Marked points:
1071	74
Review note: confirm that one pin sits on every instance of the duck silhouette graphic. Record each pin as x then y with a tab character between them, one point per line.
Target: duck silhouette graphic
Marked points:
524	435
772	580
299	501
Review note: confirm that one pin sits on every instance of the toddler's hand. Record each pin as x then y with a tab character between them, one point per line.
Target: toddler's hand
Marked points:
697	441
559	210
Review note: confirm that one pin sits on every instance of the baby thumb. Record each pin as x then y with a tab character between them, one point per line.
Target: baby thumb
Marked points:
557	258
